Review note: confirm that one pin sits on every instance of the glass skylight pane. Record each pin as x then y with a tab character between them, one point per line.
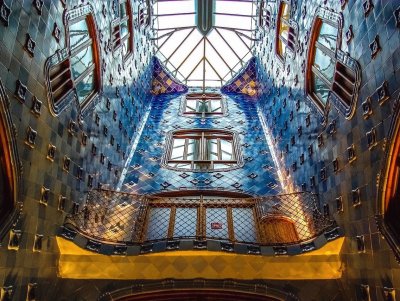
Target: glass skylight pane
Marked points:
216	60
222	47
169	47
240	47
174	7
188	45
191	62
234	7
210	73
176	21
232	22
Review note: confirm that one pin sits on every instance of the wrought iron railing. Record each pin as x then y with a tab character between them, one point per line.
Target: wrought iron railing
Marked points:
125	219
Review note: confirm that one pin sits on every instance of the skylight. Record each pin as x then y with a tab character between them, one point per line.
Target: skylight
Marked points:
204	60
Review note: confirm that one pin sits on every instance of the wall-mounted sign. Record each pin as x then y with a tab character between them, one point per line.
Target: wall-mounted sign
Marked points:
216	225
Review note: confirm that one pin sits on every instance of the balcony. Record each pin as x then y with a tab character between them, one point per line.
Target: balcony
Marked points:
116	223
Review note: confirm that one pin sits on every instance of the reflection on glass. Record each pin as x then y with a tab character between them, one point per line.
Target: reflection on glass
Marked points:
212	150
193	149
226	150
78	33
284	30
178	149
324	63
285	11
124	29
281	47
81	61
328	36
85	87
123	10
320	89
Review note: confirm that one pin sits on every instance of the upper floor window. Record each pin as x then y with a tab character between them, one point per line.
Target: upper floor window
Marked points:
286	35
261	14
122	34
144	14
201	150
203	105
74	72
331	74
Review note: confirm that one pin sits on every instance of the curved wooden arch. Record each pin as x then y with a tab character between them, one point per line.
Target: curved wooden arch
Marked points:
278	229
10	168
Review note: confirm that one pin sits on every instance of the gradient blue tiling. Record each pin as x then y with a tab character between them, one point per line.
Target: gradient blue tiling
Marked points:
147	175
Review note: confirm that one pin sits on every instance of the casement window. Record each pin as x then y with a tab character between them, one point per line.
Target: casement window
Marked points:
122	35
200	150
144	14
73	73
261	14
203	105
285	33
331	74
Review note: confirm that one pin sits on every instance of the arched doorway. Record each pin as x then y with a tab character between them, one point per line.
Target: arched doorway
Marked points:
9	168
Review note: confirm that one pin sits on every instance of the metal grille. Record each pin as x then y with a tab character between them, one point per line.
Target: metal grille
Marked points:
116	217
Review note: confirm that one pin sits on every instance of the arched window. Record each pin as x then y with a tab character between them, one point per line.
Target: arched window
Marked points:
389	192
200	150
331	74
285	33
122	30
74	72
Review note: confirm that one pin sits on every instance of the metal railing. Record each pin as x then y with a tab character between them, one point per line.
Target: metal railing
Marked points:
119	218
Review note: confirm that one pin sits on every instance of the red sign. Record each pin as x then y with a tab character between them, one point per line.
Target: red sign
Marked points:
216	225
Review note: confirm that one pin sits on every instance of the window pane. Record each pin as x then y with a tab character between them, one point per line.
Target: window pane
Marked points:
126	47
212	149
325	64
202	106
78	33
216	106
178	149
320	89
124	28
81	61
193	149
281	48
328	36
123	10
226	150
285	12
85	87
191	105
284	30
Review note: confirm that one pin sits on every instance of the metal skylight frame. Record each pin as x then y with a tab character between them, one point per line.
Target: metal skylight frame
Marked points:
207	54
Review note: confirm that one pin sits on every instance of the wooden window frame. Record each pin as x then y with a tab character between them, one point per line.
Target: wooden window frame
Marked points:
116	35
346	69
203	135
205	97
63	57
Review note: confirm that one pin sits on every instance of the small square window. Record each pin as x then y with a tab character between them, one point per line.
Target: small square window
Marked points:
203	105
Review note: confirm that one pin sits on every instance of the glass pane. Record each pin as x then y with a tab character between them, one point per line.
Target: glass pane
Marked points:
202	106
216	106
226	150
123	9
281	48
325	64
178	149
126	47
216	223
212	149
244	225
185	222
285	12
284	30
158	223
78	33
193	149
328	36
85	87
81	61
320	89
191	105
124	28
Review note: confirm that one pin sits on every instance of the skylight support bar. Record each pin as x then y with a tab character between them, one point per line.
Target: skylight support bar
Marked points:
213	68
186	79
177	47
222	37
234	15
194	48
204	65
175	28
219	55
177	14
240	38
